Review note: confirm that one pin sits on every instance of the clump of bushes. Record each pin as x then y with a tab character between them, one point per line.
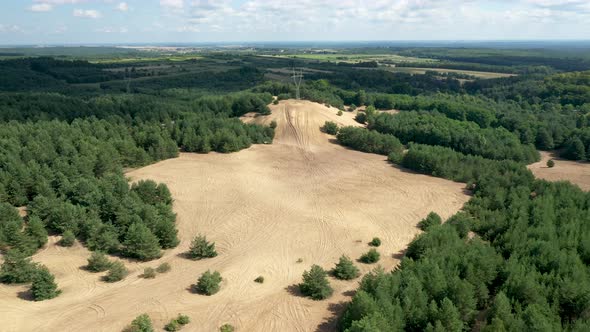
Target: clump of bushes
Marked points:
273	124
177	323
339	113
361	117
432	219
44	286
375	242
208	283
149	273
200	248
550	163
183	319
173	325
142	323
330	128
17	268
259	279
227	328
141	243
283	96
98	262
117	272
370	257
163	268
345	269
315	284
67	239
370	141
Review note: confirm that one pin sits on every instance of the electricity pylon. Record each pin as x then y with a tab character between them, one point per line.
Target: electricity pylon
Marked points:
297	79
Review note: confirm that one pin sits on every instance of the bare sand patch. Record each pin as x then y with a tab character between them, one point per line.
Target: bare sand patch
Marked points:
576	172
303	197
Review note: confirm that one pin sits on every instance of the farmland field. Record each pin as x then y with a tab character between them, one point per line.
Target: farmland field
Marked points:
421	71
354	58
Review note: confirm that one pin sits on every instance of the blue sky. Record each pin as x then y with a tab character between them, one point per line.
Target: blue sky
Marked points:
150	21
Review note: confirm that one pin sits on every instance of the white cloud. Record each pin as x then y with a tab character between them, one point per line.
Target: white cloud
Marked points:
113	30
61	2
10	28
552	3
123	7
337	16
61	29
354	19
188	28
172	4
41	7
87	13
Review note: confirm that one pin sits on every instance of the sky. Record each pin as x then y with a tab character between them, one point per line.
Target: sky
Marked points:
192	21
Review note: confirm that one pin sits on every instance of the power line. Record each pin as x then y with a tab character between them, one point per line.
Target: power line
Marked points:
297	79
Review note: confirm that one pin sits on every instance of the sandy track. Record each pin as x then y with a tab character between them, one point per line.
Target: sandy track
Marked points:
564	170
265	207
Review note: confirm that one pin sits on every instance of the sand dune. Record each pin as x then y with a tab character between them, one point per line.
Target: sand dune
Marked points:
303	197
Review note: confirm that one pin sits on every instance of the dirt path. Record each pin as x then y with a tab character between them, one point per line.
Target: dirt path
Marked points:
303	197
564	170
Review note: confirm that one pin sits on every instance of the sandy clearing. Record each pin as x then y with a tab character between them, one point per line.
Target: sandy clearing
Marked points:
564	170
265	207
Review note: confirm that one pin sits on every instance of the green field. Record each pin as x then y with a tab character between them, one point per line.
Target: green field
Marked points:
421	71
156	58
354	58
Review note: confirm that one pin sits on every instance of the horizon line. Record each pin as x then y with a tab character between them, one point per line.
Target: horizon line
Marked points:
254	42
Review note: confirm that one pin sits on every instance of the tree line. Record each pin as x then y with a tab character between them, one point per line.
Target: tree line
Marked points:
516	258
547	111
466	137
62	159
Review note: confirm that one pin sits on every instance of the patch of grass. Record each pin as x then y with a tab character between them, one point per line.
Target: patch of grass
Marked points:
149	273
227	328
163	268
